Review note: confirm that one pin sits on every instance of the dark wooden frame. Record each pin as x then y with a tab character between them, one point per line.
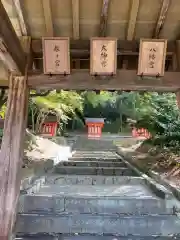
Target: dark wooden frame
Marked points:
44	61
140	55
91	54
11	42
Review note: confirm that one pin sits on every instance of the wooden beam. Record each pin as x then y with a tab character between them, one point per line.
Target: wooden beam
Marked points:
12	153
21	17
104	18
11	42
7	59
48	18
124	80
132	19
22	22
26	45
82	47
75	18
161	18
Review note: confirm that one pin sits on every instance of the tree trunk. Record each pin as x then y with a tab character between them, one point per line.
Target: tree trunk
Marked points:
12	153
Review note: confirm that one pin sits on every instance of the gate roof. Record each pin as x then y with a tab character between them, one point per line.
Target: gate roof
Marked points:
64	17
127	20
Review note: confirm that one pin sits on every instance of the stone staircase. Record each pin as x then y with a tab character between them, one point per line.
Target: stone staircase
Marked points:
95	196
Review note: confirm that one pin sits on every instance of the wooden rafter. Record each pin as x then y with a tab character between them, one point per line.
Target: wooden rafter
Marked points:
161	18
21	17
11	46
132	19
124	80
48	18
104	18
75	21
75	18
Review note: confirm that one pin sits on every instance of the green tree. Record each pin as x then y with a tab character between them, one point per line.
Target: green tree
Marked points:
63	105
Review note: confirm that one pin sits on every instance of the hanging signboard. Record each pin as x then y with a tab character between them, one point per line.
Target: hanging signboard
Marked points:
103	56
56	56
152	56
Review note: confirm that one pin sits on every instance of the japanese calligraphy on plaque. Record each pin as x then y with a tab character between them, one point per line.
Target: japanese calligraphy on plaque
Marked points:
152	57
56	57
103	56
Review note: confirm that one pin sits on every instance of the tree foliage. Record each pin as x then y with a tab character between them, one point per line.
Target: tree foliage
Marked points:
160	115
63	105
109	105
156	112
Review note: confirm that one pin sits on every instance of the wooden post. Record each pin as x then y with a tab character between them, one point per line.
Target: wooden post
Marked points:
178	98
12	153
176	66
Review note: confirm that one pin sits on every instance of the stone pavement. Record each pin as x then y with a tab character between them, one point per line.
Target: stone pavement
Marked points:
95	195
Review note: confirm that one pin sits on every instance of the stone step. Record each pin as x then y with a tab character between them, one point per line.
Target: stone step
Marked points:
92	164
98	224
93	180
95	148
86	237
94	158
87	204
127	190
93	153
103	156
94	141
119	171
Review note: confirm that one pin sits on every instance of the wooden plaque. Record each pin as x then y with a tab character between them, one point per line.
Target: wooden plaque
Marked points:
103	56
152	56
56	56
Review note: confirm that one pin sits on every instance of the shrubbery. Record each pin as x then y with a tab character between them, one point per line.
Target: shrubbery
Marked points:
162	121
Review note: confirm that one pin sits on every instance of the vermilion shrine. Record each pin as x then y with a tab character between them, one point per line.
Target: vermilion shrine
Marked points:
98	47
49	129
95	126
49	126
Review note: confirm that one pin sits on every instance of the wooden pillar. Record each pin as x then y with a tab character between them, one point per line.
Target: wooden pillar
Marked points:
178	98
176	66
12	153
